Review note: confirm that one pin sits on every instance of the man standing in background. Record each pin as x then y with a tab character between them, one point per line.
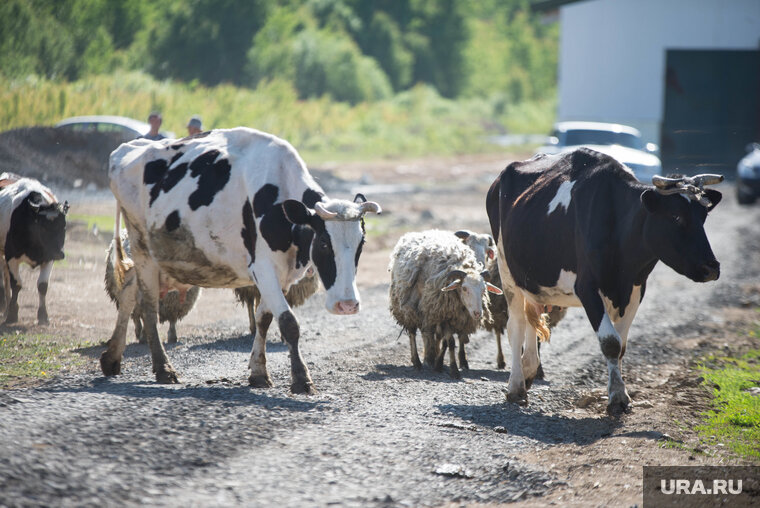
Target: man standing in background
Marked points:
194	126
154	119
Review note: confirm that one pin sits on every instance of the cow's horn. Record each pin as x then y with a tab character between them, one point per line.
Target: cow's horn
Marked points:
323	212
662	182
370	206
707	179
666	191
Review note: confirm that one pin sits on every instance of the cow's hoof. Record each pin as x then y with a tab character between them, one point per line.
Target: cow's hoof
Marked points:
417	364
109	365
305	386
167	376
529	382
260	381
501	364
42	318
540	372
619	403
464	365
520	398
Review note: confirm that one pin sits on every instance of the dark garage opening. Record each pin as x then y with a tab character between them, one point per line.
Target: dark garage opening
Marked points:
712	109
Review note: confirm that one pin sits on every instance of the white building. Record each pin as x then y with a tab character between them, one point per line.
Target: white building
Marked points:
684	72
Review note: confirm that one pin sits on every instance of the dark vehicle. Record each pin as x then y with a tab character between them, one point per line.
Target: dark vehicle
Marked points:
748	176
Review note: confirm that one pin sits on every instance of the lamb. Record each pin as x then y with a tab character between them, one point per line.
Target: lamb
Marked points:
296	296
485	252
172	306
437	288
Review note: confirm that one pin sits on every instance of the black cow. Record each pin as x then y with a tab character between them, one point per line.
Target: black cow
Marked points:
578	229
32	231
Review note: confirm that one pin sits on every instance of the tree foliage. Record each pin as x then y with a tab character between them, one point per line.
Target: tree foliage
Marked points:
348	50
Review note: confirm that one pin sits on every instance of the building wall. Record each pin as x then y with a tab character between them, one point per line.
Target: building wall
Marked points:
612	52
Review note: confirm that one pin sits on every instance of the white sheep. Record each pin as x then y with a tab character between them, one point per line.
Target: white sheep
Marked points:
172	307
437	288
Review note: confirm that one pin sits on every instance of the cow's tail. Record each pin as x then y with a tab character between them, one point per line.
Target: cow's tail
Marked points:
537	319
121	263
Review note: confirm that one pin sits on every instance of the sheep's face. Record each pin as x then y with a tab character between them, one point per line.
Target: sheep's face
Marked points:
481	244
471	294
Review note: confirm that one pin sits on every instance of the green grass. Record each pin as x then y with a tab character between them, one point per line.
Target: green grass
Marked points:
29	357
104	223
416	122
735	418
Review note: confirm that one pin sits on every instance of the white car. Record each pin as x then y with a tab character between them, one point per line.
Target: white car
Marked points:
128	128
621	142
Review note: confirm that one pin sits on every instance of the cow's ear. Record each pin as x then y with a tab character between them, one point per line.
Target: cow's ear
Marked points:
296	212
714	197
651	201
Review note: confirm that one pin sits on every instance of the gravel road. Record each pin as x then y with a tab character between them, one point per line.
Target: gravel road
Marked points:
378	433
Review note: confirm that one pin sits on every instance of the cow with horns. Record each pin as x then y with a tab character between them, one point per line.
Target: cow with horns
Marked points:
32	231
227	209
578	229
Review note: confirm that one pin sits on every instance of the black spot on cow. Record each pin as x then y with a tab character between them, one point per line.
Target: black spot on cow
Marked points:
175	158
302	238
311	197
276	229
176	146
37	231
323	256
265	199
154	171
172	221
249	230
361	244
212	175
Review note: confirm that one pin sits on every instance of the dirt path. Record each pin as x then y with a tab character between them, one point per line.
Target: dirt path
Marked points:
378	433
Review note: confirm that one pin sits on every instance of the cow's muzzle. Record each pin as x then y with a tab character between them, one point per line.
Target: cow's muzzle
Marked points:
346	307
710	271
59	256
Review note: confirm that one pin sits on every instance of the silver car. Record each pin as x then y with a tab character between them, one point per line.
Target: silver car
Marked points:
621	142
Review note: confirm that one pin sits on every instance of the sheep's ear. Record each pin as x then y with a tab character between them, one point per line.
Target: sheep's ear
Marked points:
462	234
453	280
493	289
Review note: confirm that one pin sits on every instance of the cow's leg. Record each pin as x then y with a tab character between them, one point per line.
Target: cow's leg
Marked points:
430	342
463	339
259	377
609	342
42	287
500	363
274	300
5	295
110	360
517	323
148	280
623	324
453	369
11	315
171	337
413	349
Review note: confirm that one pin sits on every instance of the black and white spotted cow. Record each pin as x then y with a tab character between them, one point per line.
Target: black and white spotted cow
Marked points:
578	229
227	209
32	231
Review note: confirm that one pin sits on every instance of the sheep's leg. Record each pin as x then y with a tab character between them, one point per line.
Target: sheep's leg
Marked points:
540	371
439	359
172	335
413	349
463	339
139	336
11	315
449	337
429	340
500	363
42	287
